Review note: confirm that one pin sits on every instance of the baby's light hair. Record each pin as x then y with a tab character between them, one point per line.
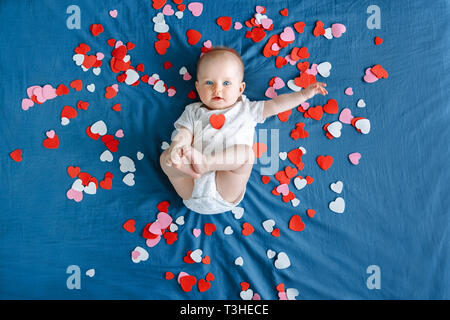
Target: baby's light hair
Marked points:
220	50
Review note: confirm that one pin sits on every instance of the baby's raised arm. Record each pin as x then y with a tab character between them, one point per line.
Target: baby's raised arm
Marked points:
288	101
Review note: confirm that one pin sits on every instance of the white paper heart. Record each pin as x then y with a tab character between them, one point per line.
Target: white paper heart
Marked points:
180	220
132	76
90	87
270	253
246	295
324	69
291	293
291	85
99	127
91	188
363	125
334	129
268	225
90	273
129	179
361	103
139	254
239	261
228	230
282	261
337	186
77	185
295	202
238	212
126	164
300	183
196	255
106	156
328	34
139	155
283	155
337	205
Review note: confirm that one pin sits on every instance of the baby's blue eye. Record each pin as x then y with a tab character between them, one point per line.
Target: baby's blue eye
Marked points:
227	83
209	82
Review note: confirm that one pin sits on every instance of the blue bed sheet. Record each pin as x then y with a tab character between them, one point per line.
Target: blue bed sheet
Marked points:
396	221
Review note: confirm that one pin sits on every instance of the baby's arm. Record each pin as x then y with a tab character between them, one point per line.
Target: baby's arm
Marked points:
182	138
288	101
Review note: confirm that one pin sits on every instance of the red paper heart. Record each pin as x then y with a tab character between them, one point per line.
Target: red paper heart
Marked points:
61	90
280	61
209	228
85	177
106	183
158	4
318	29
111	42
52	143
130	45
303	53
244	285
257	34
110	93
167	65
284	12
265	179
209	277
68	112
187	258
324	162
331	107
289	197
169	275
187	282
203	285
295	156
89	61
276	232
378	41
304	80
217	120
161	46
96	29
206	260
193	36
309	179
247	229
299	26
117	107
16	155
170	237
315	112
192	95
284	116
379	71
290	172
224	23
83	48
163	206
310	212
73	171
77	84
280	287
82	105
303	66
268	52
282	177
129	225
296	223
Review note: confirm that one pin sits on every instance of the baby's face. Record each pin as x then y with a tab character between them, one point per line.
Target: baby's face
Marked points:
219	81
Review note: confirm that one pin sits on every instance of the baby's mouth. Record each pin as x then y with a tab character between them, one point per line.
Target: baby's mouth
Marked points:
217	98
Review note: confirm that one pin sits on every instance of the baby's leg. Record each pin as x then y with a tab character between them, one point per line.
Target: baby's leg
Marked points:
233	167
183	183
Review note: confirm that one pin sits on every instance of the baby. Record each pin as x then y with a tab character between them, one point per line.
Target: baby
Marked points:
210	158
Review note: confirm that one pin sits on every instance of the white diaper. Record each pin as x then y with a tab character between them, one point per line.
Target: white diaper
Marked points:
206	199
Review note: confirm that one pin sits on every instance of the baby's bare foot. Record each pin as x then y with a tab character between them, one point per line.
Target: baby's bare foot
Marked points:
184	166
196	158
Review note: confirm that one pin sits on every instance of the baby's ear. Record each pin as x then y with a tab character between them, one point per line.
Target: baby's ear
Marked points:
196	85
242	87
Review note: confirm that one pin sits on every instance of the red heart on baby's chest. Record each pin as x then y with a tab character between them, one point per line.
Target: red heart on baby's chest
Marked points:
217	120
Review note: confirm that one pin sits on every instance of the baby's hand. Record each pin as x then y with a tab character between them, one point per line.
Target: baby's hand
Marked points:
313	89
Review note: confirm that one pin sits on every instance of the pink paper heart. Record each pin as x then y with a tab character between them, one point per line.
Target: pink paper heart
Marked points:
135	254
115	87
164	220
118	44
39	93
337	30
259	9
305	105
27	103
113	13
100	55
50	134
167	10
171	92
289	59
237	26
354	157
349	91
119	133
30	91
74	195
266	23
270	93
312	70
152	81
49	92
153	242
196	232
282	295
278	83
155	228
287	35
283	189
207	44
256	297
369	77
275	47
187	76
196	8
346	116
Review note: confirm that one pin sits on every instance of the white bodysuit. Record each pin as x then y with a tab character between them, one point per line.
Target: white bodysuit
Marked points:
238	128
